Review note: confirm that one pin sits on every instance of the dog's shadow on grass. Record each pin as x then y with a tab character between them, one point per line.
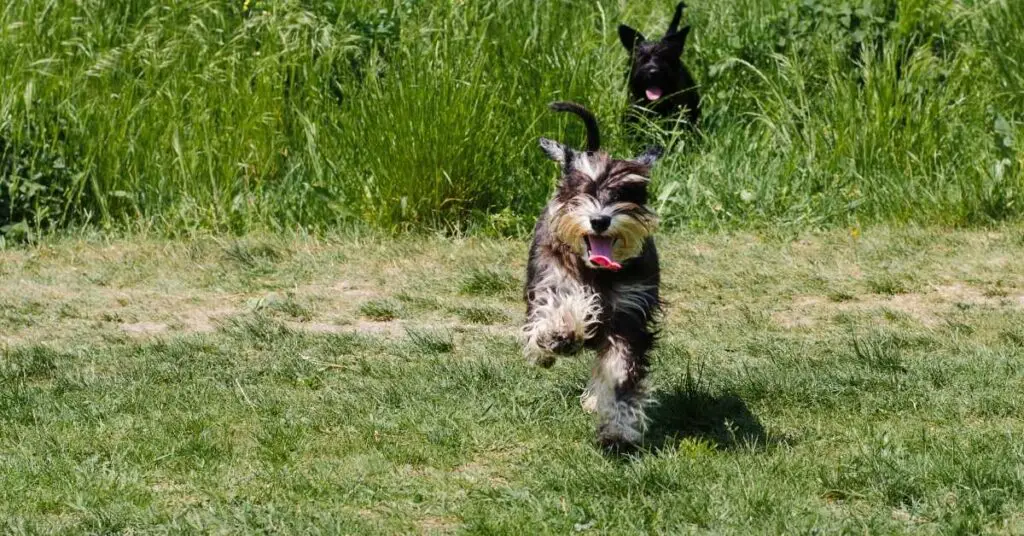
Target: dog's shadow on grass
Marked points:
722	420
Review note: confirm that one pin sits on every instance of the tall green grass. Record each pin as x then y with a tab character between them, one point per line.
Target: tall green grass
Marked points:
412	113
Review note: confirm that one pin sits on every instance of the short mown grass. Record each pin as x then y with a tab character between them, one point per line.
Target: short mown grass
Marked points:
779	409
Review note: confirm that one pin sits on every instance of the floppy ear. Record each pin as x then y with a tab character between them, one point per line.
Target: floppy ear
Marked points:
556	151
649	156
630	38
677	40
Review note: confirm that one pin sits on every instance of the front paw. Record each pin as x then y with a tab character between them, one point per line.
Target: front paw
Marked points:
543	360
562	344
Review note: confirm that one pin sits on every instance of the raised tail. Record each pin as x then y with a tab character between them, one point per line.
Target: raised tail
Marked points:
593	135
673	26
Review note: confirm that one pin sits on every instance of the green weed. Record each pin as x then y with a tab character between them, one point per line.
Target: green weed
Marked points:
489	282
380	310
275	115
481	315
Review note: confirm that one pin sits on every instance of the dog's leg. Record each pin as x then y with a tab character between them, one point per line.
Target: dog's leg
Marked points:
619	388
559	321
588	400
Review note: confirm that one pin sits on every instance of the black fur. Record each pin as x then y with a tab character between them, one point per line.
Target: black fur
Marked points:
589	121
658	64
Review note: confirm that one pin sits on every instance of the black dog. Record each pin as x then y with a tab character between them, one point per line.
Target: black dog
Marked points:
592	278
658	80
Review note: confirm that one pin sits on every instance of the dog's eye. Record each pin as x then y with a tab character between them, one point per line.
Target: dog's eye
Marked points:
631	193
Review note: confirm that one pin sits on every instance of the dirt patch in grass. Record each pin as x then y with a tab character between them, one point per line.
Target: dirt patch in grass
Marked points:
144	328
178	309
205	320
87	313
438	525
477	471
174	494
928	307
81	291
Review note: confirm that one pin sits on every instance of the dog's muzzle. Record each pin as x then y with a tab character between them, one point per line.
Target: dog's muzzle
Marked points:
652	83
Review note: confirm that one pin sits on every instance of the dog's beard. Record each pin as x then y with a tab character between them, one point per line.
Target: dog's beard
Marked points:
623	240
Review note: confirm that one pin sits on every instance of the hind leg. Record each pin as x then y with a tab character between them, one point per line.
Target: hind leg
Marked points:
619	388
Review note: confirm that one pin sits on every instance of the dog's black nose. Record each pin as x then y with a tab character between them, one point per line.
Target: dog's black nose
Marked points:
600	224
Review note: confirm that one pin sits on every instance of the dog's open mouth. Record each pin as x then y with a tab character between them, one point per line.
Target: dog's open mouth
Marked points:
599	252
654	93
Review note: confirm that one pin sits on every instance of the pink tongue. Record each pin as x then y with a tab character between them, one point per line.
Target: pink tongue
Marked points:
601	252
653	93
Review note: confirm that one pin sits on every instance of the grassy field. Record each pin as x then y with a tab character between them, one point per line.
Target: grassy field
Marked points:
181	117
810	383
267	351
